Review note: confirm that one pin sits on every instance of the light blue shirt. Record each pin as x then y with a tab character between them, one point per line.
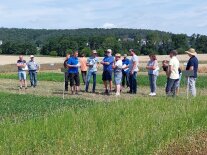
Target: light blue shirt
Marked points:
92	61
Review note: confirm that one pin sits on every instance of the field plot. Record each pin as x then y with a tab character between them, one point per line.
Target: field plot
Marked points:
39	121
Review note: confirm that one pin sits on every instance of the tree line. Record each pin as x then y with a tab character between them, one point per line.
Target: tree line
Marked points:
60	42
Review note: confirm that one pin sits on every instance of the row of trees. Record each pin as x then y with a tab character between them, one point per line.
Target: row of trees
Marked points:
50	42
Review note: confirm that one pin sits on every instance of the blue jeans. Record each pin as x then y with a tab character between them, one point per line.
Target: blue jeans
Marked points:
133	82
153	80
125	76
88	80
33	77
171	86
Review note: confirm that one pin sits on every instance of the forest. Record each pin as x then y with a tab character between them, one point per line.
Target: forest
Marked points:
59	42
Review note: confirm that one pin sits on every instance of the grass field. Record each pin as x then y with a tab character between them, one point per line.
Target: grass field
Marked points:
39	121
42	125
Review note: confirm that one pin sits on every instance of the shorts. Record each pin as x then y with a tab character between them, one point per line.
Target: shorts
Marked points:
107	76
117	78
74	79
178	83
22	75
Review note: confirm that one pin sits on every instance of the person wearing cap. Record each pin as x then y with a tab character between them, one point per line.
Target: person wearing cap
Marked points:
92	64
172	74
73	65
33	67
66	73
133	69
117	66
153	71
125	71
192	65
107	63
83	67
22	65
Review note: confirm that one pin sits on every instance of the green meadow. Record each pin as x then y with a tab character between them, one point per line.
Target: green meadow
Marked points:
42	125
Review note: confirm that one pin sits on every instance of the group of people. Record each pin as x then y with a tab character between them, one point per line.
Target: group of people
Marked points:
32	67
125	72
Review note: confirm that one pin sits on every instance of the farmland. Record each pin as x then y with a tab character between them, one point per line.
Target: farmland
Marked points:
39	121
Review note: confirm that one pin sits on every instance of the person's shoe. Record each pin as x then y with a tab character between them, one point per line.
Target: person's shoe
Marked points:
150	94
20	87
129	92
153	94
117	94
25	88
106	91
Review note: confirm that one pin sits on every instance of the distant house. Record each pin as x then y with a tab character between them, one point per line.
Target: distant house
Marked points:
128	39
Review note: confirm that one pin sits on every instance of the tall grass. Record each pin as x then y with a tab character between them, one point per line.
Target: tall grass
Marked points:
142	79
54	126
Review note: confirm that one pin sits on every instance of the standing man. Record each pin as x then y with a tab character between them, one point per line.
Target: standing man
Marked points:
107	70
133	69
192	65
92	64
125	71
73	65
83	67
65	64
21	65
172	74
33	67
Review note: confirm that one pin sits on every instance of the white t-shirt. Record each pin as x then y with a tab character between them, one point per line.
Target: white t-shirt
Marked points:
175	66
134	59
118	65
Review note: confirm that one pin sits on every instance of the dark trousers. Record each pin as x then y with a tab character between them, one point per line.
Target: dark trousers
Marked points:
133	82
125	77
83	73
88	81
33	77
66	80
171	86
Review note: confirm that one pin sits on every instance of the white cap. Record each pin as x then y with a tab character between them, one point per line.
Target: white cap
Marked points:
31	56
109	50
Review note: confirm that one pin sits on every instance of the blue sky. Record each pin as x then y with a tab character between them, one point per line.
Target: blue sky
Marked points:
183	16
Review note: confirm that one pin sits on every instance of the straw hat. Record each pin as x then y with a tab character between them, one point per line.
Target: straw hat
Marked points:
118	55
125	55
191	51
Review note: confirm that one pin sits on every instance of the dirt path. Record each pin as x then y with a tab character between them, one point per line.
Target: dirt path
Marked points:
45	88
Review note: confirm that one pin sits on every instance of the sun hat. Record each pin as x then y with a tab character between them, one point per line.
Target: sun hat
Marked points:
191	51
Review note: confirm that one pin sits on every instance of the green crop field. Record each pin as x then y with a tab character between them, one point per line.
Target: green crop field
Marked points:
41	125
39	121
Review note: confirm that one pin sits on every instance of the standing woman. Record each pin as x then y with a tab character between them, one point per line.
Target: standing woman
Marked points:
117	66
153	70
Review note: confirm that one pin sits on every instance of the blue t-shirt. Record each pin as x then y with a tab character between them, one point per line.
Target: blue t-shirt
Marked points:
125	62
109	59
193	61
73	61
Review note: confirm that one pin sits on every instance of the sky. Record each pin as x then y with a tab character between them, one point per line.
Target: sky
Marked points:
176	16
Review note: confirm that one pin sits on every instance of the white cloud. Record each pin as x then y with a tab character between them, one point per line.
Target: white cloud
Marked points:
108	25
